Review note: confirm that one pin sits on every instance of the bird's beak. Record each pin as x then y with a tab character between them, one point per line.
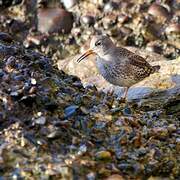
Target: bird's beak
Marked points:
86	54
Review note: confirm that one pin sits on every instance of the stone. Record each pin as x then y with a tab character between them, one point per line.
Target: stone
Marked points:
115	177
5	37
41	120
159	11
103	155
87	20
69	3
163	85
70	110
110	6
54	20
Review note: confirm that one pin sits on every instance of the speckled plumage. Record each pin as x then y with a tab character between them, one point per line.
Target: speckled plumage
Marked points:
124	68
118	65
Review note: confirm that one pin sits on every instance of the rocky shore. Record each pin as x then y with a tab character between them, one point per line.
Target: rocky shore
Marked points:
56	119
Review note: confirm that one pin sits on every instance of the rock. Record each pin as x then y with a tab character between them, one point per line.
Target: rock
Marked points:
36	39
110	6
163	85
69	3
160	132
173	28
154	47
82	149
91	176
5	37
87	20
171	128
122	18
33	81
70	110
7	3
159	11
41	120
115	177
103	155
54	127
54	20
130	167
16	26
83	70
7	50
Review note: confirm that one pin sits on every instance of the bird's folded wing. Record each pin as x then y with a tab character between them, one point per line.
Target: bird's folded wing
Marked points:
138	61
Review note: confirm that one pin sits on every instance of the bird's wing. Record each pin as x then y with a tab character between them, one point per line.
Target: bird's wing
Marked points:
134	59
138	61
135	63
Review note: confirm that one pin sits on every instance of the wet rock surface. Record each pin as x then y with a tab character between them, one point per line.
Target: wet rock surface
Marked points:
51	126
57	122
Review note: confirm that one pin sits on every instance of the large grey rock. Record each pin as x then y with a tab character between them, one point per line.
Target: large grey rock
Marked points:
158	88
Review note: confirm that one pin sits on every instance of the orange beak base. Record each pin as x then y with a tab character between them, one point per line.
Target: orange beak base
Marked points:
86	54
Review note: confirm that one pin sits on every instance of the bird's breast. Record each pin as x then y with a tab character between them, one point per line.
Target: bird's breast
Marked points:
103	66
106	69
113	72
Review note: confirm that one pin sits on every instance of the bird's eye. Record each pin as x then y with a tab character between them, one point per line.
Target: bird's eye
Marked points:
98	43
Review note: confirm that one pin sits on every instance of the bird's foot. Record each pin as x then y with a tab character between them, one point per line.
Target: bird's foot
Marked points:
110	91
122	99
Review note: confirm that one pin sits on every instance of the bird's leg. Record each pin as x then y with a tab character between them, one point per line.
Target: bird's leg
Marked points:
110	91
125	93
127	110
123	99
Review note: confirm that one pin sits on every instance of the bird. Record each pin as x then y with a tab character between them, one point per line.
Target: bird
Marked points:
118	65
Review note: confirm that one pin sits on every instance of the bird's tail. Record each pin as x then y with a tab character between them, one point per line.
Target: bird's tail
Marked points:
155	69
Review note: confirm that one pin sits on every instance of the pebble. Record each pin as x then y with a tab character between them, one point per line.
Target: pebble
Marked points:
91	176
135	168
5	37
37	40
82	149
18	78
70	110
122	18
11	62
115	177
110	6
33	81
7	3
41	120
1	73
16	26
171	127
154	47
69	3
160	132
103	155
158	11
54	134
109	21
88	20
127	111
54	20
173	28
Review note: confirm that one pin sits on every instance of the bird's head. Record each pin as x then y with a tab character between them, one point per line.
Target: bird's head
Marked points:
100	45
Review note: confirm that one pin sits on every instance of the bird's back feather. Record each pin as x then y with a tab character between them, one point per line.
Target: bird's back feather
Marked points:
135	65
